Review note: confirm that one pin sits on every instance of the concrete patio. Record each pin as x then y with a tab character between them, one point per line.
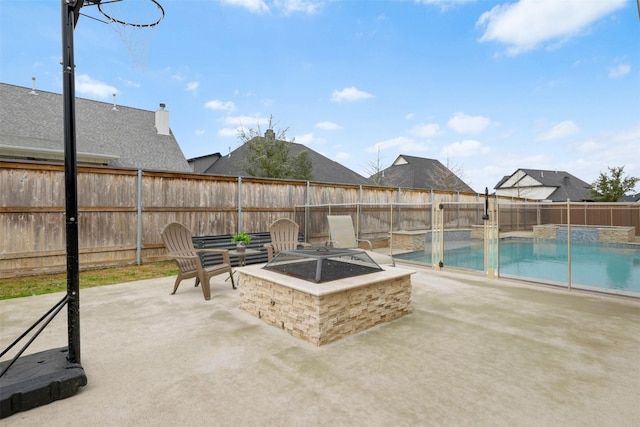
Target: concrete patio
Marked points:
473	352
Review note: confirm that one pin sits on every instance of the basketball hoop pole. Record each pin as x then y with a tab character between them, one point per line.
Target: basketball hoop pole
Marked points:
69	13
40	378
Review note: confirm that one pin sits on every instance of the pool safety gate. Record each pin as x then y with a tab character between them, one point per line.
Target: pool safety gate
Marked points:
491	235
491	239
437	236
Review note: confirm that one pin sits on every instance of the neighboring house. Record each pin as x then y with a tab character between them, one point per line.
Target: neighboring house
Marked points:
203	163
32	128
544	185
322	170
419	172
634	198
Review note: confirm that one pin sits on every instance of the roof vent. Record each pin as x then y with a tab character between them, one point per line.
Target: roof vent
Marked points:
33	91
115	108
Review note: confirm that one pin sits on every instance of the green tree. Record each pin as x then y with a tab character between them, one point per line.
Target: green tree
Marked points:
270	156
610	188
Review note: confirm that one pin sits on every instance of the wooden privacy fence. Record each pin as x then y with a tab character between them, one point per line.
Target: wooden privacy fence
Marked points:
122	211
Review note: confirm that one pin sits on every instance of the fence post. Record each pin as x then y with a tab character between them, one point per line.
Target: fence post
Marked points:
307	214
239	227
359	212
569	243
139	209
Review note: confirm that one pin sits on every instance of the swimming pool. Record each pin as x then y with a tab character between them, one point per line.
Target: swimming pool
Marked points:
606	266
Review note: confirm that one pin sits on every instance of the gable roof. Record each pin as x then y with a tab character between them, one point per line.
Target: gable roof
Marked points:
203	163
420	172
539	184
32	127
323	168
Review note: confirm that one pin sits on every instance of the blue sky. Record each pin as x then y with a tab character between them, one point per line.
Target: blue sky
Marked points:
485	87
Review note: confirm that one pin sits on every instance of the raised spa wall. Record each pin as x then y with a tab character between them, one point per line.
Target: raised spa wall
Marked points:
586	234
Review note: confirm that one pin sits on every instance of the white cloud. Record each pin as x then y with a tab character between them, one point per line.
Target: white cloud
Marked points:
88	86
409	116
444	4
466	148
328	126
399	144
560	130
199	132
229	132
462	123
254	6
349	94
305	139
619	71
304	6
427	130
192	86
526	24
244	121
590	146
220	105
177	76
608	149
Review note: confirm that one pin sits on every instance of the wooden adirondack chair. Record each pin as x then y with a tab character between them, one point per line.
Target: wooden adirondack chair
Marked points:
284	237
177	239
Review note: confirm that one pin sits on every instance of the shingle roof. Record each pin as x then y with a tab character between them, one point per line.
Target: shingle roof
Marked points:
567	185
420	172
125	135
323	169
633	198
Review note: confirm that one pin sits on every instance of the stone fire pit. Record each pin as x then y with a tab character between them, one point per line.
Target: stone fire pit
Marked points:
322	312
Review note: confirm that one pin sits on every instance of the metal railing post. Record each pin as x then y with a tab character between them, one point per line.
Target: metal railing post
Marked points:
139	227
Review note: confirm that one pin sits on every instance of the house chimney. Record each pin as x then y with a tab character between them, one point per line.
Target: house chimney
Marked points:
270	134
162	121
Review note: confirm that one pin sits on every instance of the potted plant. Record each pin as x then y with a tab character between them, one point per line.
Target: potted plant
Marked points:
241	239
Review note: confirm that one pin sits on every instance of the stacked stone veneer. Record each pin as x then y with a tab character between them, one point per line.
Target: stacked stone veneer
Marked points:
320	316
409	240
617	234
421	239
585	234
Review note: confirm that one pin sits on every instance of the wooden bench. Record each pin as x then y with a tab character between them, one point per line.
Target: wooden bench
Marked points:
223	241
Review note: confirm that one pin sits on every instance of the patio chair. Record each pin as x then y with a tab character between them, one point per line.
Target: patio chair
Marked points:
284	237
343	235
177	239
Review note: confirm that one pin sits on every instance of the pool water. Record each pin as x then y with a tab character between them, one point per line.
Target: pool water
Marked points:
601	266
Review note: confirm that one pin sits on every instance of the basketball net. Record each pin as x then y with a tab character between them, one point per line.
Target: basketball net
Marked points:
136	22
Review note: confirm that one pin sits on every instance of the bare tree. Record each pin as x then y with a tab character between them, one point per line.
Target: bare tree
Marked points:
374	169
451	175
